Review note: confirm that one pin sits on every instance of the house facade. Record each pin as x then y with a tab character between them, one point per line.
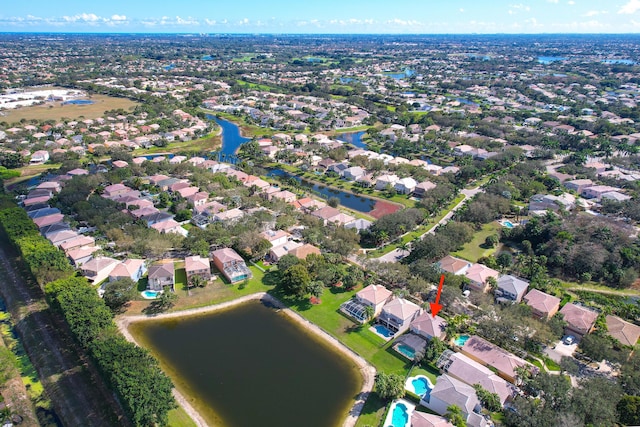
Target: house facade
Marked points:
231	265
197	266
398	314
161	274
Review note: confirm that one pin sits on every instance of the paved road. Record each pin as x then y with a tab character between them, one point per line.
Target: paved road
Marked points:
397	254
76	398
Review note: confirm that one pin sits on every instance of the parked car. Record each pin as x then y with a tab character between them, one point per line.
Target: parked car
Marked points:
569	339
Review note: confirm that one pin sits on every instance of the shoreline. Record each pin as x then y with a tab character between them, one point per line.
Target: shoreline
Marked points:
367	371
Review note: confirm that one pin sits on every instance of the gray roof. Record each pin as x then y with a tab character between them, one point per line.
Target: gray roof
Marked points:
512	284
455	392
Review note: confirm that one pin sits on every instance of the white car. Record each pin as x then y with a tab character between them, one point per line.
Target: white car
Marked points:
569	339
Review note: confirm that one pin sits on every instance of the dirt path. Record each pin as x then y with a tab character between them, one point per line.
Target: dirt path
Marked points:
78	399
368	372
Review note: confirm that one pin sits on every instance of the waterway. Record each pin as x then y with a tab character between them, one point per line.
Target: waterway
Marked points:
252	366
348	200
353	138
231	138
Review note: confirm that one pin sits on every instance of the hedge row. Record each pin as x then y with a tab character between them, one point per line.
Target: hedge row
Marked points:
143	389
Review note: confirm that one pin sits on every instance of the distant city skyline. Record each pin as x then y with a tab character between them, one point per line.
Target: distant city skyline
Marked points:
326	17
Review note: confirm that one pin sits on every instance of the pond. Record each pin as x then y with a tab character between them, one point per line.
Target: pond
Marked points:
348	200
231	138
78	102
353	138
253	366
550	59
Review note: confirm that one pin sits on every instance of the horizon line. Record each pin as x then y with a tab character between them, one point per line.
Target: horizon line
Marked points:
311	34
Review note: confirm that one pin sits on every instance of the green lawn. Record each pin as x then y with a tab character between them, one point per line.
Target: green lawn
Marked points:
179	418
475	249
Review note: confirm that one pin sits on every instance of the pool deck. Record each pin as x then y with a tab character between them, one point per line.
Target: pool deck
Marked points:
367	371
410	408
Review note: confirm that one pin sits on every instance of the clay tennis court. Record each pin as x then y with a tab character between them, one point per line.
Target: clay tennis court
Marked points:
382	208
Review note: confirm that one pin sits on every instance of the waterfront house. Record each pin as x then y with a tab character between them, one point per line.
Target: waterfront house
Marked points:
424	419
231	265
397	315
405	185
133	269
384	181
422	188
374	296
161	274
197	266
543	306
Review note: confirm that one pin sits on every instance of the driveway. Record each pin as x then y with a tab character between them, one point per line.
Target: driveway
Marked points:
559	350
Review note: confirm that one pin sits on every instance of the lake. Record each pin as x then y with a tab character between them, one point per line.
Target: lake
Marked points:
353	138
252	366
231	138
550	59
348	200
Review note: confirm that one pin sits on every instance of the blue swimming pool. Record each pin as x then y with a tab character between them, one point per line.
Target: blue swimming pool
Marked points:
383	330
407	351
400	415
422	386
78	102
461	340
150	294
507	224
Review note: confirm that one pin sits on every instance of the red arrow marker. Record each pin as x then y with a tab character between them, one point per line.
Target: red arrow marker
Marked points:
436	306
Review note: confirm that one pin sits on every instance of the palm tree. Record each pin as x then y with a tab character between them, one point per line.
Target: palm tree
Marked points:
369	312
455	416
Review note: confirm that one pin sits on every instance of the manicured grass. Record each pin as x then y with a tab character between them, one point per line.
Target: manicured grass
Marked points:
246	129
55	111
428	371
475	249
208	142
179	418
357	337
372	412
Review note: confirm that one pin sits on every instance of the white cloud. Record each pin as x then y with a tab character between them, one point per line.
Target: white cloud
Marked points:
118	17
595	13
630	8
83	17
571	2
244	21
403	23
522	7
461	10
553	1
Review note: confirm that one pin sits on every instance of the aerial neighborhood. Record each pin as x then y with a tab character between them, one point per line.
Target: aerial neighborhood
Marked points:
355	188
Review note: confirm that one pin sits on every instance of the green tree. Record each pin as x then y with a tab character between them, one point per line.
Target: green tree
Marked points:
455	416
286	262
389	386
333	202
629	410
117	294
491	241
435	347
316	288
167	299
296	280
490	401
353	277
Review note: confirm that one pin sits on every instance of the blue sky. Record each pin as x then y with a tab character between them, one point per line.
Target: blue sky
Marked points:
327	16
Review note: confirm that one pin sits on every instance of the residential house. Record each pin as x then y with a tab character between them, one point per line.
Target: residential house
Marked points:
579	320
40	156
278	252
197	266
543	306
44	221
276	237
303	251
478	275
37	213
326	214
467	370
453	265
405	185
161	274
80	256
115	190
626	333
421	189
511	288
231	215
170	226
488	354
374	296
231	265
428	326
384	181
98	269
397	315
284	195
156	217
353	173
450	391
59	237
596	191
424	419
77	242
359	224
133	269
578	185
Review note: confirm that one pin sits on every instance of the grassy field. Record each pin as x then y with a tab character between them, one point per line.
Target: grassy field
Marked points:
247	130
475	249
56	111
179	418
209	142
